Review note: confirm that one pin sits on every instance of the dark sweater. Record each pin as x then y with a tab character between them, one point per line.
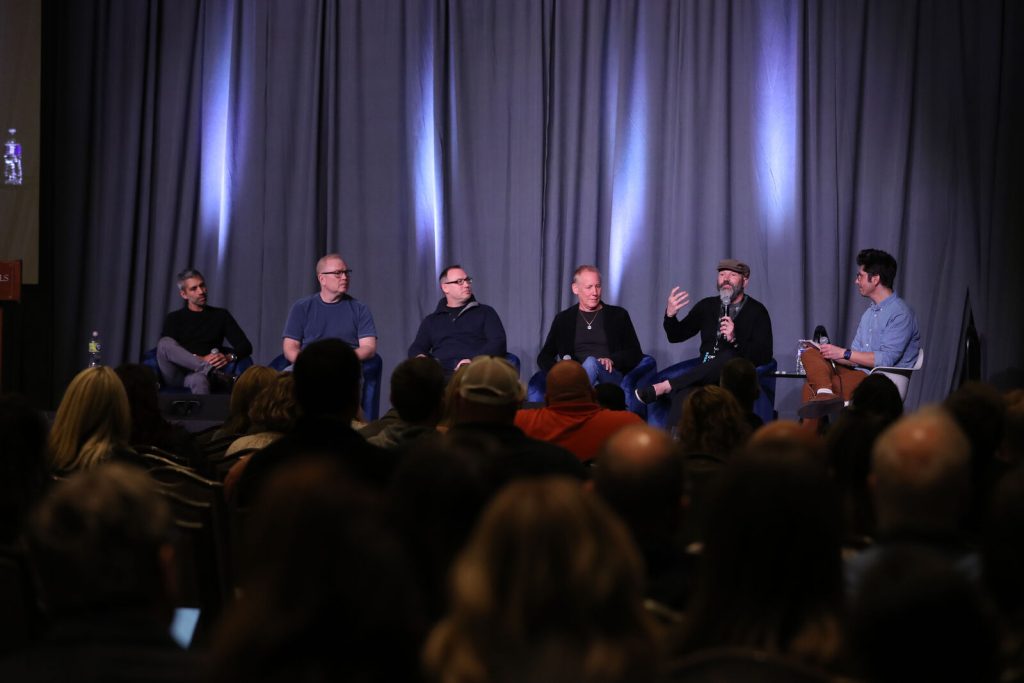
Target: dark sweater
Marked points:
623	345
201	331
753	328
449	335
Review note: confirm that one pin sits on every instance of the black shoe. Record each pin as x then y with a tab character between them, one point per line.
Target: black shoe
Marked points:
820	406
646	395
221	381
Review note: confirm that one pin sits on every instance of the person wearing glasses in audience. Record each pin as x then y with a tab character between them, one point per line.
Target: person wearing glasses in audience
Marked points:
330	314
461	327
599	336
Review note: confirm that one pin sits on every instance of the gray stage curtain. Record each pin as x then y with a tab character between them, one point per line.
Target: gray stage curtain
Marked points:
650	137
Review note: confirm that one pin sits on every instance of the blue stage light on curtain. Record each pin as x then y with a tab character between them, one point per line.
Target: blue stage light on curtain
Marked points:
428	201
629	183
215	191
777	116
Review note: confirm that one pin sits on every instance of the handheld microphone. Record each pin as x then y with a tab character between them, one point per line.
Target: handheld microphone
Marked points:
725	298
820	335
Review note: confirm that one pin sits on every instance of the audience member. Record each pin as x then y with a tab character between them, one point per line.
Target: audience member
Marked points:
149	427
712	423
248	386
571	416
327	375
1003	567
1011	451
417	393
438	491
610	396
980	411
272	414
770	577
739	378
93	421
327	593
549	588
921	487
24	463
639	474
100	545
488	397
919	619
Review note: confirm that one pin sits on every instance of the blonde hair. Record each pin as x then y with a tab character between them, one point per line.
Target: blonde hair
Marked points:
93	418
549	582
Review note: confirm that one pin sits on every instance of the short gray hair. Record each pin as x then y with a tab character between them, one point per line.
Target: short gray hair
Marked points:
187	274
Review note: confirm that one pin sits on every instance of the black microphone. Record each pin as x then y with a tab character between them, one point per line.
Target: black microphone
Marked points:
820	335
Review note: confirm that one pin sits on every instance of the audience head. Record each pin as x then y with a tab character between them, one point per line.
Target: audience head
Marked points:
250	383
1012	449
877	395
567	382
739	378
1003	551
92	420
141	386
610	396
438	491
918	618
417	390
549	587
712	422
327	379
100	541
275	409
980	411
24	467
877	263
639	474
489	391
771	572
787	432
920	473
329	594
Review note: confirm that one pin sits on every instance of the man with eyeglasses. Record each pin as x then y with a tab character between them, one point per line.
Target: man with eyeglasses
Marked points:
331	313
460	328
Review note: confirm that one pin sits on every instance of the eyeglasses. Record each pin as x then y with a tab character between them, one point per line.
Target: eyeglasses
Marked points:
460	281
338	273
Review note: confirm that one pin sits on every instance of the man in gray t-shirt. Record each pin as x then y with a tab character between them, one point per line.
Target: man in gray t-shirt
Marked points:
330	313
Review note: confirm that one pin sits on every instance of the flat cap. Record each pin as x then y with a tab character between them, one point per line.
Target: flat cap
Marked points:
735	266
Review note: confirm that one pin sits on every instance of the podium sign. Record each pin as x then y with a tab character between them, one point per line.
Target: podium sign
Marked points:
10	280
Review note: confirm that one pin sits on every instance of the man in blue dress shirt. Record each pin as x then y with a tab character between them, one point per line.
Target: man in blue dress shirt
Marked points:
886	337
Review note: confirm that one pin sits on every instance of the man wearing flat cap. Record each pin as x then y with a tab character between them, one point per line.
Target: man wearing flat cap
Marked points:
732	324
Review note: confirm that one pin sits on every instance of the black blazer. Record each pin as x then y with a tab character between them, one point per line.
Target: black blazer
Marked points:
623	345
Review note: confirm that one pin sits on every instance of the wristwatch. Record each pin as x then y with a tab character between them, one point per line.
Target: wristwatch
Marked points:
846	354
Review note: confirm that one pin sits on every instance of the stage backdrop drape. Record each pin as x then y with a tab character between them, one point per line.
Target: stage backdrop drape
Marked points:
649	137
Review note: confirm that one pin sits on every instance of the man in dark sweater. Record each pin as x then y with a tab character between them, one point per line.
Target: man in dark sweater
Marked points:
191	345
732	324
461	327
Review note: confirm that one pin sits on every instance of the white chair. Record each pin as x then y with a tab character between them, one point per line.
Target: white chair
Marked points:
901	376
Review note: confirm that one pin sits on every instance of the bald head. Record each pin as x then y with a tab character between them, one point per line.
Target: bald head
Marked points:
921	472
640	474
567	382
786	432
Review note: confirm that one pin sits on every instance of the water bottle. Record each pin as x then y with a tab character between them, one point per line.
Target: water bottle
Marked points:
12	160
800	360
94	349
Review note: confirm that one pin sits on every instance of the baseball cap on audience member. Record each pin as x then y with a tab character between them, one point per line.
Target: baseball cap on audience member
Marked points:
491	380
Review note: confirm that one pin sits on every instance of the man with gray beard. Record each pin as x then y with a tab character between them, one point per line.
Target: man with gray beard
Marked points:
732	324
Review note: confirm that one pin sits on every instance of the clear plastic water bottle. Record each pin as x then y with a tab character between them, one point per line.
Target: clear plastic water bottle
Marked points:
12	160
94	349
800	360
